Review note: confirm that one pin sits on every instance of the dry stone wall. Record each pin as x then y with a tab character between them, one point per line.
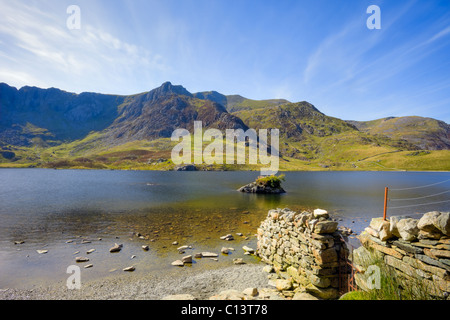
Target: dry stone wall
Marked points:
416	249
305	248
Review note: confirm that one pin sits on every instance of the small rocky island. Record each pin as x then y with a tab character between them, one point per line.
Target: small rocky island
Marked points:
269	184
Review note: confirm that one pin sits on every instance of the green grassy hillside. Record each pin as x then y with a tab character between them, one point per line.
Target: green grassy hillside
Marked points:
133	132
425	133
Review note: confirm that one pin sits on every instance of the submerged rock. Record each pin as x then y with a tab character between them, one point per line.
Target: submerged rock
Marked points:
129	269
238	261
248	249
187	259
209	255
178	263
81	259
228	237
116	248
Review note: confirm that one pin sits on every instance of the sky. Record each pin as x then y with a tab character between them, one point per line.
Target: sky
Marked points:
317	51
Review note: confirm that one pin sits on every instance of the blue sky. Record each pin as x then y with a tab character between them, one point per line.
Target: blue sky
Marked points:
318	51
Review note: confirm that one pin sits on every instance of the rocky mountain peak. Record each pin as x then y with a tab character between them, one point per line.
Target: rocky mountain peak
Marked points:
166	89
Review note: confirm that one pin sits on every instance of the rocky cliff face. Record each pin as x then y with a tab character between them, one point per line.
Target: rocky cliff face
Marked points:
55	115
29	112
159	112
34	116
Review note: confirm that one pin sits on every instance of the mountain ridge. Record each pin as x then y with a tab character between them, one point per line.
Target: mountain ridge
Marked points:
48	125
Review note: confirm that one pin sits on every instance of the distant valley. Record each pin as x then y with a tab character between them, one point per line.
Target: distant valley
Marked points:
52	128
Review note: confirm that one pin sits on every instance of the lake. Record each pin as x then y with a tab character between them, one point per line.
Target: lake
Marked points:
47	208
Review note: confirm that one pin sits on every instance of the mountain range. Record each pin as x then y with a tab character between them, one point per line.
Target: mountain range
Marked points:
59	129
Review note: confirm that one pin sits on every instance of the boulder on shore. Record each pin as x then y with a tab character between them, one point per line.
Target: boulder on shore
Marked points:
186	167
116	248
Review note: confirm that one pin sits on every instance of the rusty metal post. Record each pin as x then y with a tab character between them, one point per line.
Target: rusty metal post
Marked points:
385	202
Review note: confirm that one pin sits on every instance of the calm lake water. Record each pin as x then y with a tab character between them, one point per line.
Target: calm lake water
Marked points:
46	208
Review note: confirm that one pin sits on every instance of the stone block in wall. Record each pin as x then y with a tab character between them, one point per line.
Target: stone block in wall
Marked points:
318	281
361	256
442	247
320	213
372	232
429	222
400	265
382	228
446	262
393	226
431	261
325	227
442	284
365	238
408	247
429	235
403	252
317	270
301	219
427	243
326	239
407	228
296	275
327	293
389	251
443	223
273	214
325	256
318	244
283	284
436	254
418	264
294	241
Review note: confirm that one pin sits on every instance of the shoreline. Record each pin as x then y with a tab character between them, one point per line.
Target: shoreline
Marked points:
200	284
238	170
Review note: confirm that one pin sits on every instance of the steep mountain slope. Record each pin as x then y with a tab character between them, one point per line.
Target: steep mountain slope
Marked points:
156	114
31	114
295	120
308	135
425	133
58	129
212	96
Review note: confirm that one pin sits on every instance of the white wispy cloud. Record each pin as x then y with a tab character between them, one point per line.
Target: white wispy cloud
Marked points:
42	44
